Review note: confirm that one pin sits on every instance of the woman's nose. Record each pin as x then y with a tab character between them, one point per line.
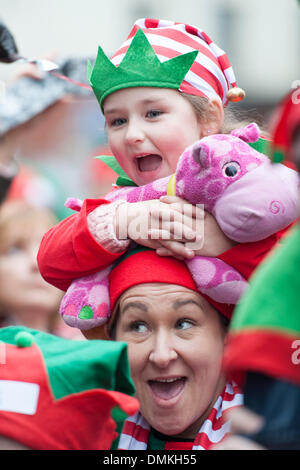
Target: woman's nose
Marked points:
163	352
32	255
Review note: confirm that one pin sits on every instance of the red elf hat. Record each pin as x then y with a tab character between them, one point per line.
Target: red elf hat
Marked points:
210	75
285	121
58	394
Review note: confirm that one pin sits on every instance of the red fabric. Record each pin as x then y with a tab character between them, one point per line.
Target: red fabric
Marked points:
245	257
285	121
151	23
147	266
261	351
80	421
181	38
179	446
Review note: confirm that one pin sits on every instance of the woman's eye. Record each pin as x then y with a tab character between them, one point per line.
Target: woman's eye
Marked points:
153	113
14	250
138	327
184	324
118	122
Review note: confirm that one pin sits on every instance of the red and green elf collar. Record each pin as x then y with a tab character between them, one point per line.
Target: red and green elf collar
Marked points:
58	394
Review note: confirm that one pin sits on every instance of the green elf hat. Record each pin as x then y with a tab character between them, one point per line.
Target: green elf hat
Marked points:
265	330
58	394
166	54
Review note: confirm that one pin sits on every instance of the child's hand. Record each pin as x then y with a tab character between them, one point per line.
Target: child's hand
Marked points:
215	241
210	242
158	225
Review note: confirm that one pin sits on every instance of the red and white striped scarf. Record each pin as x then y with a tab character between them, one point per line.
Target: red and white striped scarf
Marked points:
136	430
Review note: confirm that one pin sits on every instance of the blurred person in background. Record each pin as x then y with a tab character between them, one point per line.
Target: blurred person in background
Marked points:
8	53
38	123
25	298
8	170
37	118
45	122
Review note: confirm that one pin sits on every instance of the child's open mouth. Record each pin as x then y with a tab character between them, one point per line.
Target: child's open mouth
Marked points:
167	389
149	162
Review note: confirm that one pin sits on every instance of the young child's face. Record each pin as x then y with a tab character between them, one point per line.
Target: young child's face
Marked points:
148	129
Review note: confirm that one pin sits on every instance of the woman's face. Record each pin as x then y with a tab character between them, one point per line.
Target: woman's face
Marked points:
23	291
148	129
175	345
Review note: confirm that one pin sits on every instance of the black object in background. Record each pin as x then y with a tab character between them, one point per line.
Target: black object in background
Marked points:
5	183
278	402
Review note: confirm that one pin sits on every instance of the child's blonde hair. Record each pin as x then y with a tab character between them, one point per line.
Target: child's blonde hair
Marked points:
233	119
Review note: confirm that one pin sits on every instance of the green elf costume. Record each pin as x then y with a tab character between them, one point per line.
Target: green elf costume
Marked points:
264	338
59	394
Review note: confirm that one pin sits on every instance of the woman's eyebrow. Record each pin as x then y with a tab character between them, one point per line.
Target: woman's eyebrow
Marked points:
139	305
181	303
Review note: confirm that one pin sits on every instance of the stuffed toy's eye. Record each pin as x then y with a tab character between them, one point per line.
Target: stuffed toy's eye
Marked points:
231	169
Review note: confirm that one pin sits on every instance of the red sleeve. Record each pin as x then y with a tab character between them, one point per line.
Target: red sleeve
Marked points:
69	251
246	257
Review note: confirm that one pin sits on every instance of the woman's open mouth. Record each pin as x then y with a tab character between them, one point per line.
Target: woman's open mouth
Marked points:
150	162
166	391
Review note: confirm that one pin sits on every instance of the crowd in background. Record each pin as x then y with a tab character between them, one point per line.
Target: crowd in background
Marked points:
33	192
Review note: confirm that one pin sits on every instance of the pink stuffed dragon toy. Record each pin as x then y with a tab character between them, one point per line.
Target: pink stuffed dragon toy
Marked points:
250	198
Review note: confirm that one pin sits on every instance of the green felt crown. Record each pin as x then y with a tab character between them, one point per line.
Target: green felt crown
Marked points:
139	67
75	366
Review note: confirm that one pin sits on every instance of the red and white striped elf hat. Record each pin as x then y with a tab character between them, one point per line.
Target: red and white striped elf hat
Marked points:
210	75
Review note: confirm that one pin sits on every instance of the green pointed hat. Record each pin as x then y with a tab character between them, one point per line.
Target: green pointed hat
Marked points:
139	67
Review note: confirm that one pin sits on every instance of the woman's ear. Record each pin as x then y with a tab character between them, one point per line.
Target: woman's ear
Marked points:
214	119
